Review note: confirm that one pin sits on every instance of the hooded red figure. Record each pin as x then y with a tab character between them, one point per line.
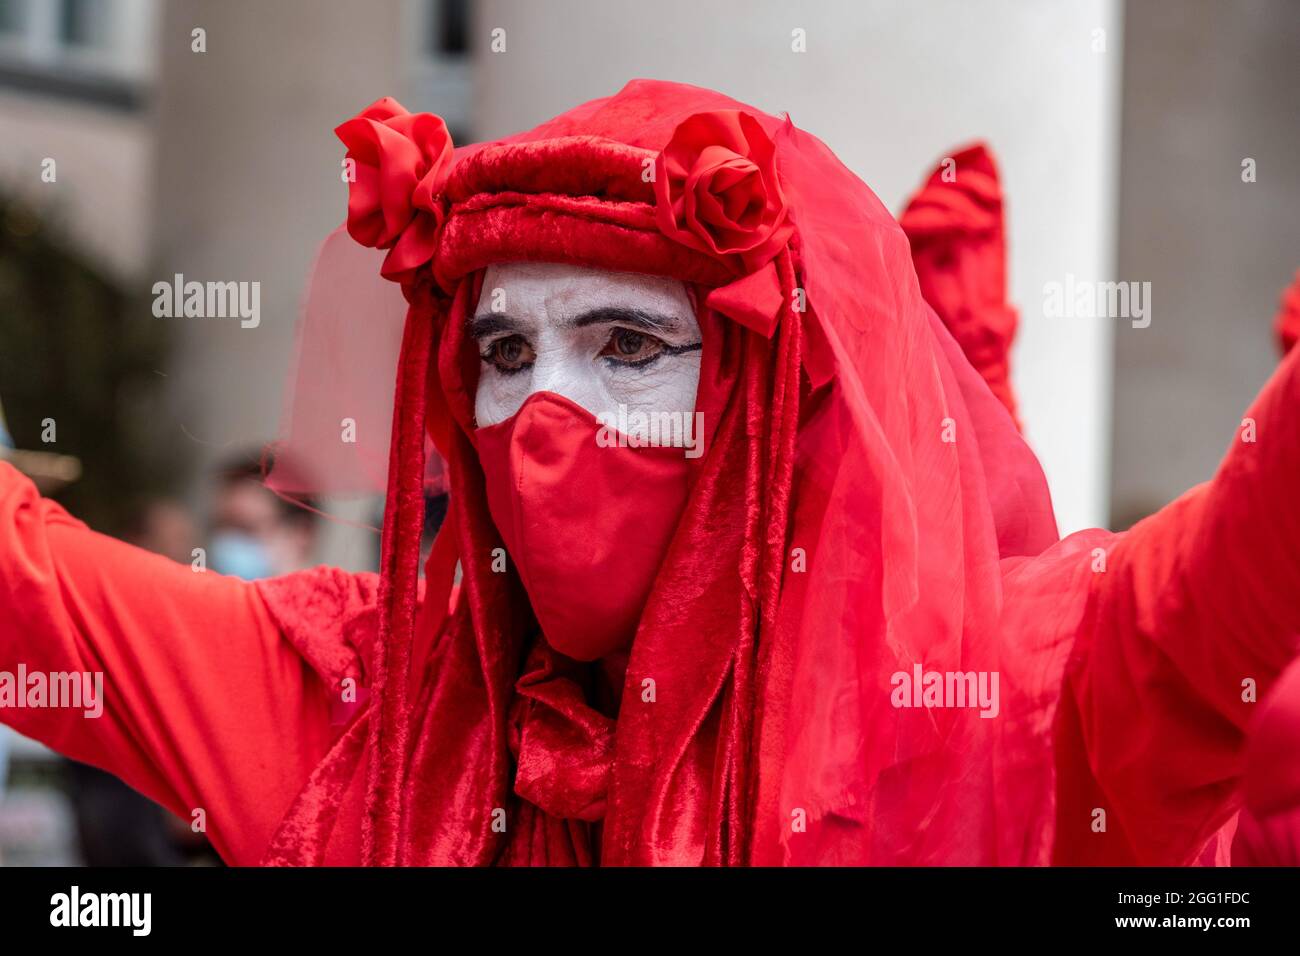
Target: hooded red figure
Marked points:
847	633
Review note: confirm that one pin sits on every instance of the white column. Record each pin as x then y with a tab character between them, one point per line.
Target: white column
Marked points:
248	186
891	87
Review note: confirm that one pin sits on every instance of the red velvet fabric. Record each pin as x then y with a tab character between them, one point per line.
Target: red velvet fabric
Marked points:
865	509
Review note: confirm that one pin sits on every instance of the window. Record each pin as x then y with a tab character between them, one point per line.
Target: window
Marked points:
13	17
438	60
83	38
450	28
84	23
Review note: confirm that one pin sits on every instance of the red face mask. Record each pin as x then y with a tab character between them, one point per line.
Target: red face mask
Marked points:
587	526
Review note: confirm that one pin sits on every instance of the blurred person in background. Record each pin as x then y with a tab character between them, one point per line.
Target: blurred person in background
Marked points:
254	532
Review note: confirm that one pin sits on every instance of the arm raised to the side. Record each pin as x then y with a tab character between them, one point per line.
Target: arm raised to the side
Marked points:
204	706
1195	614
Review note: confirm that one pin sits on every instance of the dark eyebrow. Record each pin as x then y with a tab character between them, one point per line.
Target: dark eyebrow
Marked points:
651	321
492	323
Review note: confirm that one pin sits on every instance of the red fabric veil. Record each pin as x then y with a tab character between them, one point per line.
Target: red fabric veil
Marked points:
859	489
338	413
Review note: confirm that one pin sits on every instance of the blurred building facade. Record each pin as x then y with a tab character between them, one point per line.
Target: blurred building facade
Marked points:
196	138
175	127
74	78
195	148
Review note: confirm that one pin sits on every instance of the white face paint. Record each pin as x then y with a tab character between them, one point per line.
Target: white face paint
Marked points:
600	339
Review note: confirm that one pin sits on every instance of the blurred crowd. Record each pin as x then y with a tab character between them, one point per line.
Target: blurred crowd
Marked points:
62	811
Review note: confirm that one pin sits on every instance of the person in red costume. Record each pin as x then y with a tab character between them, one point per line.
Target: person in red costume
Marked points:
829	621
1268	827
955	224
1268	830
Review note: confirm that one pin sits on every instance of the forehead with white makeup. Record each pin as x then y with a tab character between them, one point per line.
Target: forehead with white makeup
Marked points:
600	339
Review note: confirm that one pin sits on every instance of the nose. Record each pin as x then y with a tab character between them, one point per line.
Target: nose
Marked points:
565	372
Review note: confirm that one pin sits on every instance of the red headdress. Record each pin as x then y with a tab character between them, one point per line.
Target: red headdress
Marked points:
860	487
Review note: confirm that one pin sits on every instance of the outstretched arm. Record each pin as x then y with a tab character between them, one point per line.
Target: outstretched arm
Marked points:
204	707
1196	614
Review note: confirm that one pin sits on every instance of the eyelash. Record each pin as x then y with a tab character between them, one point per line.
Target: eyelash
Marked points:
664	350
490	356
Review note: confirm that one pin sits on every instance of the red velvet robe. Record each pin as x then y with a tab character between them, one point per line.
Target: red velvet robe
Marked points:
1123	659
221	694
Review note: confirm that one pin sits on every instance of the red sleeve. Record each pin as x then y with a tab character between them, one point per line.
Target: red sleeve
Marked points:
204	704
1269	831
1197	606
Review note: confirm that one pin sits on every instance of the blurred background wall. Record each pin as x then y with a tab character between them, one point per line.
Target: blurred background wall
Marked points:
248	184
1208	85
1120	129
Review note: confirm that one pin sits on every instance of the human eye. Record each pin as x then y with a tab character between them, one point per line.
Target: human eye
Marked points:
632	348
509	354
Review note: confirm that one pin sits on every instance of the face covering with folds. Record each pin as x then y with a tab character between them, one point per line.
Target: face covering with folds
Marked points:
586	521
240	554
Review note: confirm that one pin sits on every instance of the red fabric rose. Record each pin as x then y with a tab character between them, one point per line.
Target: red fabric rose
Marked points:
401	162
716	188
